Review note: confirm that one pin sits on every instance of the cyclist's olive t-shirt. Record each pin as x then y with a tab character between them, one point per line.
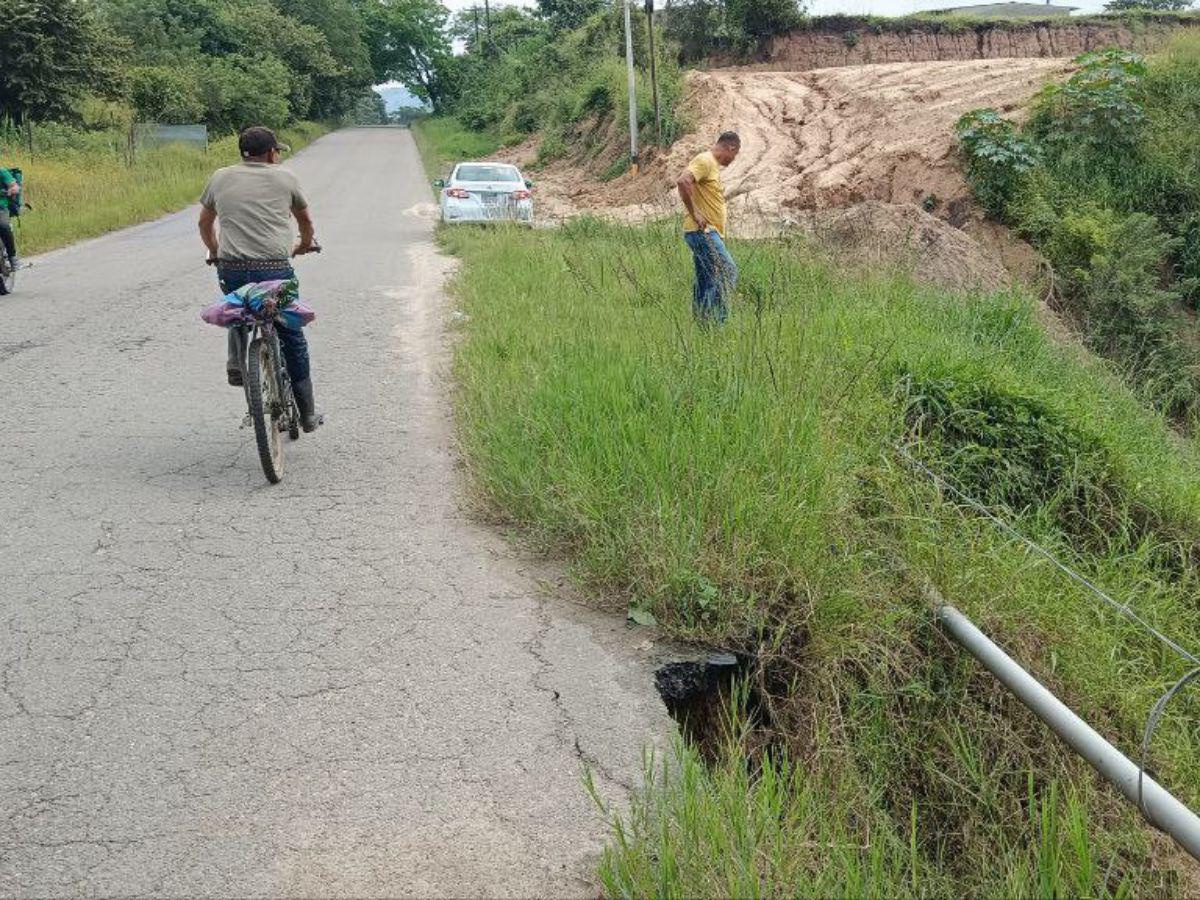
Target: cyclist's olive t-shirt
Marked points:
254	202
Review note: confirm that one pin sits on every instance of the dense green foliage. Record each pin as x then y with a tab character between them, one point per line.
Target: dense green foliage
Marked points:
52	51
703	27
407	42
228	63
1163	5
1105	180
568	13
747	487
533	75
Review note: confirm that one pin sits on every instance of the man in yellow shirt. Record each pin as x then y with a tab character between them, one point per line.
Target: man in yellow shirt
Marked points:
704	228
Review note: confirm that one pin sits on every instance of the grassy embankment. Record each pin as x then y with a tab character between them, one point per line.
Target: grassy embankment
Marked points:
444	142
745	486
81	185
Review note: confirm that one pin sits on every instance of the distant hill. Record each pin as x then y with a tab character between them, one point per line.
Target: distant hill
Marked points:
397	96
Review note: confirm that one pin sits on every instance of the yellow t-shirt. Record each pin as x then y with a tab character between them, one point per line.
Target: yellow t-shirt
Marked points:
708	196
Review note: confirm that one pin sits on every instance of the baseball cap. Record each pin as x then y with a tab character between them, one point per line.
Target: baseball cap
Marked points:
258	141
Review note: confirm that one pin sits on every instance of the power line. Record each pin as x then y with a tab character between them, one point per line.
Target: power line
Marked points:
1123	608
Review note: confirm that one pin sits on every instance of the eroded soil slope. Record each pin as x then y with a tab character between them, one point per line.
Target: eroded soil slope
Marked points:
818	140
817	143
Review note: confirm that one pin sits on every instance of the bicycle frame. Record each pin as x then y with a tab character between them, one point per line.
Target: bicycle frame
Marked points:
264	328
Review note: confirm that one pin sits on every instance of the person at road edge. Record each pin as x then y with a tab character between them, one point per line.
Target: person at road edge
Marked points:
255	202
704	228
9	188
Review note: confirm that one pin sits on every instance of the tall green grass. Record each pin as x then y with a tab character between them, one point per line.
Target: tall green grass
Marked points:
744	484
81	184
774	826
443	142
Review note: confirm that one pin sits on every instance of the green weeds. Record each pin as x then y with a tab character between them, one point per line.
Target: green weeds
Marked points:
444	141
743	484
81	184
1102	180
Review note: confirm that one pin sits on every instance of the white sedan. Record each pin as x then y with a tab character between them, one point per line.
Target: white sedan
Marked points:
486	192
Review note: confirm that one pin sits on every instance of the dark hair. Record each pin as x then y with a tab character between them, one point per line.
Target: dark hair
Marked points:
257	141
730	139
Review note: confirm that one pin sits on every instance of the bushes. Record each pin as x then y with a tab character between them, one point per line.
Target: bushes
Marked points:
704	27
169	95
1100	110
534	79
997	158
1104	180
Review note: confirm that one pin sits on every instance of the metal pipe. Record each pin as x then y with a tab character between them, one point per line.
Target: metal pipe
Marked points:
633	117
1161	809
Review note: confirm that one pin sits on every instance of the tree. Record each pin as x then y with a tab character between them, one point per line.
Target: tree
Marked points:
342	26
53	52
369	109
762	18
1156	5
166	94
407	42
569	13
701	27
244	90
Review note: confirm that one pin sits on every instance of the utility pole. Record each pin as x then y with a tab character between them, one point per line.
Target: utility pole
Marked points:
487	21
654	72
633	116
475	9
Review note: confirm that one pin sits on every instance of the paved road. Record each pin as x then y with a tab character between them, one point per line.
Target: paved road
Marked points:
337	686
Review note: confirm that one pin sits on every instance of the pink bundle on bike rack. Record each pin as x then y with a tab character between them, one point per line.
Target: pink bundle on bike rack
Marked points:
278	300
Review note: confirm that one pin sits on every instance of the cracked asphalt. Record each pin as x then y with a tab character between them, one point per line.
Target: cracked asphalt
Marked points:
339	686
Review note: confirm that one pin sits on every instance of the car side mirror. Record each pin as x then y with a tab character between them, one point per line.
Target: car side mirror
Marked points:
439	183
528	183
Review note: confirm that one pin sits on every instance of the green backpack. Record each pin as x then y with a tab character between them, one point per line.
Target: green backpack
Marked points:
17	200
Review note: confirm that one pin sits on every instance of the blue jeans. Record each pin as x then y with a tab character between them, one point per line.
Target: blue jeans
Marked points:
716	275
291	340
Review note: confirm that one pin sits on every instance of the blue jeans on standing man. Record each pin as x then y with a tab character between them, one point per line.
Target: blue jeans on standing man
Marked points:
291	340
716	275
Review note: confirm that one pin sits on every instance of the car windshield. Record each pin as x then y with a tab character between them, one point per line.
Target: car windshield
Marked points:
487	173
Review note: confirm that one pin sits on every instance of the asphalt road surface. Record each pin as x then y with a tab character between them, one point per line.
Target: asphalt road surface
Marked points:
338	686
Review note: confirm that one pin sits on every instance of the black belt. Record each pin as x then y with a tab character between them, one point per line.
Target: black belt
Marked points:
252	265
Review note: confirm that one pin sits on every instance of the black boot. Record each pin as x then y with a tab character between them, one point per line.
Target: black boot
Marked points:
303	390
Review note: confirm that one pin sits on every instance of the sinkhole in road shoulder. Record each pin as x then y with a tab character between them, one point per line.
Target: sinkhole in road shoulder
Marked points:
701	696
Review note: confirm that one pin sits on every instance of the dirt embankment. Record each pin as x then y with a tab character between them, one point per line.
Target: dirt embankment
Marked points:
816	144
803	50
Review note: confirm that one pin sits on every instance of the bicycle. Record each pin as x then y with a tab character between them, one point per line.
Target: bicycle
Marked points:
271	405
8	275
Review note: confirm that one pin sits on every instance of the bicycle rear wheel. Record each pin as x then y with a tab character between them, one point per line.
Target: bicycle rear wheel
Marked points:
266	407
8	275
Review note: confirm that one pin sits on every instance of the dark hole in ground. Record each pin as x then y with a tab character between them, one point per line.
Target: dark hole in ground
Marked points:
699	693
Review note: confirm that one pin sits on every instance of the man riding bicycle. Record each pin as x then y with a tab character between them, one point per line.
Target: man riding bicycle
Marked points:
9	189
255	202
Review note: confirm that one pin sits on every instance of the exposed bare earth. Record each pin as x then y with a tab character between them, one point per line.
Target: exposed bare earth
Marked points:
812	49
815	143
